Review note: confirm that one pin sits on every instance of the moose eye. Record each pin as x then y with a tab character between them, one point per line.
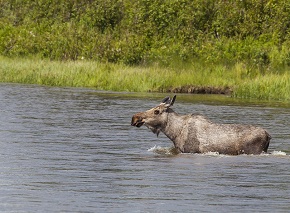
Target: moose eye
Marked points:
156	112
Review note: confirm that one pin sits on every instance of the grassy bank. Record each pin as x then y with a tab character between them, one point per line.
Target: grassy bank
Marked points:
244	81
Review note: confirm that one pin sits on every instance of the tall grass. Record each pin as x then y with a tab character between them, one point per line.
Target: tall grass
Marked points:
269	87
244	81
108	76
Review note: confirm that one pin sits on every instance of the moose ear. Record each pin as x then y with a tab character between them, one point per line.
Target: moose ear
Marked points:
173	100
166	99
170	102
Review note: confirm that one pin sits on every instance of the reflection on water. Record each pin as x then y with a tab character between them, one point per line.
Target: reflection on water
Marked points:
73	150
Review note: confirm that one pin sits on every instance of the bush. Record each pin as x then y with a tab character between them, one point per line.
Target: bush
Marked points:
255	32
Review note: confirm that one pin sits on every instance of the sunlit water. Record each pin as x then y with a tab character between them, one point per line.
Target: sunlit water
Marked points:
73	150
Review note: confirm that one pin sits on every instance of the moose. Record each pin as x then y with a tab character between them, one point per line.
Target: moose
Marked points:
197	134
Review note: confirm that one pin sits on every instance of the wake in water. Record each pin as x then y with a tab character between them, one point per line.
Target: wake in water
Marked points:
164	150
173	151
276	153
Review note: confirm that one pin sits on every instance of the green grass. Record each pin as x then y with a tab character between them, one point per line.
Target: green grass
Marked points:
268	87
246	82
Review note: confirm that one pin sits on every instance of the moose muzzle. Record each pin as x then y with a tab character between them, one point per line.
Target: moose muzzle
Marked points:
137	120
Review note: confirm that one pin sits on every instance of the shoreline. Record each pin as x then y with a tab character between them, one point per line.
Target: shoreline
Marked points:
199	78
207	90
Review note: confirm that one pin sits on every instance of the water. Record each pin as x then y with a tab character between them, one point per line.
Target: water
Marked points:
73	150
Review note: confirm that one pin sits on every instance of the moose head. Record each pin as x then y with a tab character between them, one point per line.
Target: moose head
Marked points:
154	118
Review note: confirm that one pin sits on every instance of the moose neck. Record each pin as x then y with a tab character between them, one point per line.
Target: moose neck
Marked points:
174	127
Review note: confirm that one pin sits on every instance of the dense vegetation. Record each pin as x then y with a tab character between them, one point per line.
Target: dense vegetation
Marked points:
251	37
137	31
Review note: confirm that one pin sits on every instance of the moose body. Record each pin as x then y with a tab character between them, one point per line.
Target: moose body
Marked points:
197	134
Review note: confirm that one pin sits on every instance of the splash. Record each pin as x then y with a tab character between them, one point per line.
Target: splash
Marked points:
278	153
212	153
173	151
163	150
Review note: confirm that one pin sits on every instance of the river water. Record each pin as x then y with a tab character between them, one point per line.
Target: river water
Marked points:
73	150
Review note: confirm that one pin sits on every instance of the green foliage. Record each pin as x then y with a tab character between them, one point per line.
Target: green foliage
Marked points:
242	44
145	32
